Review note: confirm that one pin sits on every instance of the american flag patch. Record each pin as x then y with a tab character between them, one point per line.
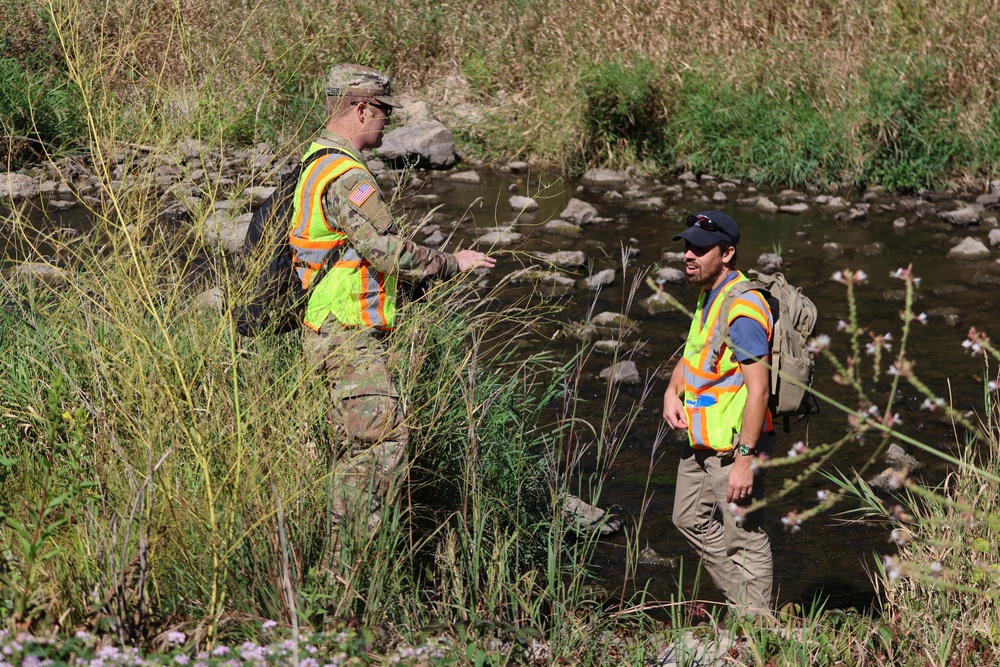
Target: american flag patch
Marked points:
361	193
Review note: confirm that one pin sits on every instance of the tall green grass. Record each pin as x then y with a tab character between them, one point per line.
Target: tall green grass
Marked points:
39	108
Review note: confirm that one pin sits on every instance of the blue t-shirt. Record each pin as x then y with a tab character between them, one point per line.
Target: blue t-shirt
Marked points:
749	336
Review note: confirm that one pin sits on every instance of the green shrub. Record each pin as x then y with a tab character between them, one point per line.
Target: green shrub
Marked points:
767	130
989	145
39	108
625	113
910	134
35	111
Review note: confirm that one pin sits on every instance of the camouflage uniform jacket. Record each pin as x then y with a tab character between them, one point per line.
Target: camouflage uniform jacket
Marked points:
370	228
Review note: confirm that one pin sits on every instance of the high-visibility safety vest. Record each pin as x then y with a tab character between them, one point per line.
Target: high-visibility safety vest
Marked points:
715	394
350	289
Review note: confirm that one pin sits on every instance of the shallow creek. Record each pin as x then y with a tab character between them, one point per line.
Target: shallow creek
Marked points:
830	556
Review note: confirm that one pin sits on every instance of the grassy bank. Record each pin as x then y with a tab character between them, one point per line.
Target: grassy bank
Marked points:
161	474
877	92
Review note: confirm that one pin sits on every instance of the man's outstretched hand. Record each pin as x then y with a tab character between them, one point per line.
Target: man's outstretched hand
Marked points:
473	259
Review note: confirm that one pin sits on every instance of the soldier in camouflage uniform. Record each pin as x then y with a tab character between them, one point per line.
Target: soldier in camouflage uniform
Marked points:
346	241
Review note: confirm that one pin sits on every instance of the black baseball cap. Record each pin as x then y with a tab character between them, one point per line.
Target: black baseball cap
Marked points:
710	227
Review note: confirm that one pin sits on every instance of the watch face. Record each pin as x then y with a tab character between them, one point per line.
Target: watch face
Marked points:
744	450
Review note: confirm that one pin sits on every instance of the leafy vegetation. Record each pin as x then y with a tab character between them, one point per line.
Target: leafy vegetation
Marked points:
625	113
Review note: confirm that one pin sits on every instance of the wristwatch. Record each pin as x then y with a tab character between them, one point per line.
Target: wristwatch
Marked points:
744	450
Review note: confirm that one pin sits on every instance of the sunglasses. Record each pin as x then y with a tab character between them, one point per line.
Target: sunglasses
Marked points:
706	223
385	109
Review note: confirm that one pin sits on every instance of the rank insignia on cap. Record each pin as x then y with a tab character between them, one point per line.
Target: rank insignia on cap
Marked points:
361	194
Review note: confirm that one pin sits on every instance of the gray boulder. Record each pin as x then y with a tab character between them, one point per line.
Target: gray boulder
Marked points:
469	177
426	142
604	178
992	199
259	194
413	109
562	228
647	204
969	248
669	274
578	211
833	250
963	217
534	274
600	279
994	237
223	230
624	372
612	196
609	323
499	238
587	518
835	204
898	458
770	262
519	203
46	273
765	205
608	346
211	299
563	259
657	303
795	209
517	167
17	187
434	239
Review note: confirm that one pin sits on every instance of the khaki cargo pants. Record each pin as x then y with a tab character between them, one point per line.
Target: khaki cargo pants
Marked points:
367	414
736	554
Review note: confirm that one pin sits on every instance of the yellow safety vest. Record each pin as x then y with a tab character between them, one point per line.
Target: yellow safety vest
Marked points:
715	394
355	293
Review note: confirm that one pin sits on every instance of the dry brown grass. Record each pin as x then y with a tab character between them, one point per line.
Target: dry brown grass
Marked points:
420	40
520	56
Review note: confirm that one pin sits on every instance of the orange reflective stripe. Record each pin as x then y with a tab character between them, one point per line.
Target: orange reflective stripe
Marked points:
365	317
305	206
695	370
307	276
306	244
704	429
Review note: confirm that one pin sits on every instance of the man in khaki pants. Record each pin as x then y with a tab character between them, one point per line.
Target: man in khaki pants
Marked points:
720	396
350	256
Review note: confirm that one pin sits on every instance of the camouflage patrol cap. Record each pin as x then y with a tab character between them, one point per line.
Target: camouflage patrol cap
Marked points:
350	80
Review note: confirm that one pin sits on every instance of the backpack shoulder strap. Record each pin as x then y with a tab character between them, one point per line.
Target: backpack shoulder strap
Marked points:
319	154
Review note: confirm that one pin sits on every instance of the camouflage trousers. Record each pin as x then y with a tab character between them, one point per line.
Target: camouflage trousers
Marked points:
367	415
